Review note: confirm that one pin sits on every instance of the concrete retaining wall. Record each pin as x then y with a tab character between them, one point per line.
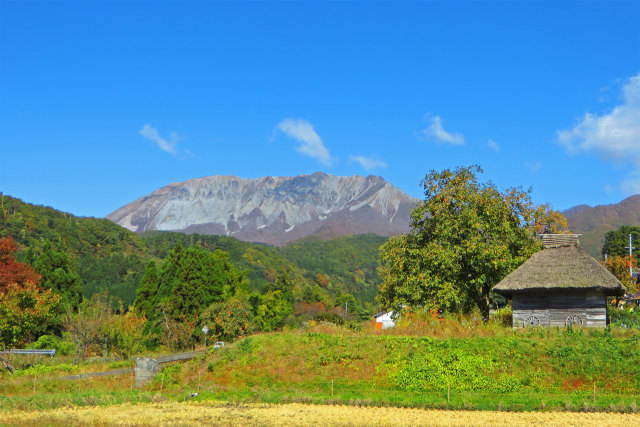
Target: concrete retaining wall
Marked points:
146	370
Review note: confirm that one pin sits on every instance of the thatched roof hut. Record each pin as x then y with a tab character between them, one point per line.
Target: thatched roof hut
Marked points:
560	285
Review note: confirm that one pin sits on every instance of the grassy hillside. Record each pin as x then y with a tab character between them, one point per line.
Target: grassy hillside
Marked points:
483	367
510	367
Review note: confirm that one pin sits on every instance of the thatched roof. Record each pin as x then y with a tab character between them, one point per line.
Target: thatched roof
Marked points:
560	268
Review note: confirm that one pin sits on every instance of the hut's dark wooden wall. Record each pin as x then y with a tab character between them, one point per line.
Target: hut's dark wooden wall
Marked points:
553	308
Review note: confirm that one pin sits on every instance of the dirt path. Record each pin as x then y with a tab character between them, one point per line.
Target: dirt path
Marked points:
228	414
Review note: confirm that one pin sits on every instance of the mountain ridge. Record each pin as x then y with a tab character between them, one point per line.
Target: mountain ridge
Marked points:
274	210
594	222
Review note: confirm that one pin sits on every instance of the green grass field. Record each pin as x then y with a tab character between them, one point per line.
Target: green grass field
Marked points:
476	367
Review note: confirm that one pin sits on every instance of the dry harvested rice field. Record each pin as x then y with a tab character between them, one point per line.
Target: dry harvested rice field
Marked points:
220	413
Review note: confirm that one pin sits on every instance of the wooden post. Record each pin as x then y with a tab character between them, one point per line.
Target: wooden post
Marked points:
35	378
594	392
162	383
331	387
132	380
448	392
199	374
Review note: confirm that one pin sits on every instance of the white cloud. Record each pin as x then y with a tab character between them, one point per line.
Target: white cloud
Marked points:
493	145
310	143
368	163
615	136
438	134
152	134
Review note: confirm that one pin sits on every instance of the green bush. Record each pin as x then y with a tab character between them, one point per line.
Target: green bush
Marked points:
433	370
330	318
63	346
38	370
627	317
503	316
171	374
226	320
246	345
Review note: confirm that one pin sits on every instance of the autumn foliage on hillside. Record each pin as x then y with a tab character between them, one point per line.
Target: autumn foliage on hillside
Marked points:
25	310
12	271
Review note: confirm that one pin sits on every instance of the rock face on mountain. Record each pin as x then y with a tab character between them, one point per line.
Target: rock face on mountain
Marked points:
274	210
594	222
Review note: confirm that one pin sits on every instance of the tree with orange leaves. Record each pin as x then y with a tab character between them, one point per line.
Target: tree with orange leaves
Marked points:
12	271
26	311
619	267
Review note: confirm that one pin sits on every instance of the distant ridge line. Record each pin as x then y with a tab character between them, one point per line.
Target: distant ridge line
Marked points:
274	210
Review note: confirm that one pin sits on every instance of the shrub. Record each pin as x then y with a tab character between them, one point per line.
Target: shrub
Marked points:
503	317
122	334
330	318
38	370
627	317
171	373
434	370
246	345
226	320
63	346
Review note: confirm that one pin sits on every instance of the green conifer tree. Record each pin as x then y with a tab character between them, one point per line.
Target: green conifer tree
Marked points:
57	273
147	291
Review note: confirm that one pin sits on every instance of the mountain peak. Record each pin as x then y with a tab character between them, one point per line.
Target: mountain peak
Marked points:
274	210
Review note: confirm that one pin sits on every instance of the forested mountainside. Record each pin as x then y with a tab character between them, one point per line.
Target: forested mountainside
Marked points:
109	258
31	225
348	263
594	222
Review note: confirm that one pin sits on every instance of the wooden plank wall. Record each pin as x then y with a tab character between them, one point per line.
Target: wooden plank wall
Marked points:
553	308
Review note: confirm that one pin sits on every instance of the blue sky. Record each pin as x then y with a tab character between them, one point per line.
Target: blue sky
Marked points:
104	102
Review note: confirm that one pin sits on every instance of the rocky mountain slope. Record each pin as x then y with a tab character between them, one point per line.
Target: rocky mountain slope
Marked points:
594	222
274	210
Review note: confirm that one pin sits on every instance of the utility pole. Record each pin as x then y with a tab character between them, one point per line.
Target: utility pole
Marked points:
346	310
631	248
205	330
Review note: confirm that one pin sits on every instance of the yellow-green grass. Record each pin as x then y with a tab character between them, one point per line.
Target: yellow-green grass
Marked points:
539	370
221	413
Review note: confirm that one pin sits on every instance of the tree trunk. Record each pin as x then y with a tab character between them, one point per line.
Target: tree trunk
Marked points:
485	307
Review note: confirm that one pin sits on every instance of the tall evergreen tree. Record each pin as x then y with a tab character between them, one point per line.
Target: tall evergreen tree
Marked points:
168	273
616	243
147	290
201	279
57	273
284	284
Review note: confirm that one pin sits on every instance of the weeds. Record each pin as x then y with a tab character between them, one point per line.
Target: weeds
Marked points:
501	369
